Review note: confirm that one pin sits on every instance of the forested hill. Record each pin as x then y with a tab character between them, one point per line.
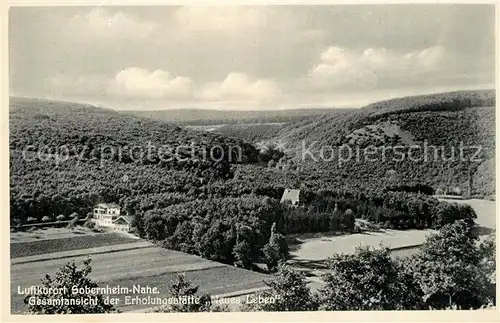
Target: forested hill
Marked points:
95	132
445	121
456	100
65	157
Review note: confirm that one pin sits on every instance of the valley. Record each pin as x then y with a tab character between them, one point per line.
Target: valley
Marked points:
210	199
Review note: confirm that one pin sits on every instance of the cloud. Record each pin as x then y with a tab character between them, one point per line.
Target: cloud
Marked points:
240	87
139	82
283	54
219	18
99	22
341	67
233	20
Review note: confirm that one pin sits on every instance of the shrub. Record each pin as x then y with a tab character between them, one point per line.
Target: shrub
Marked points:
45	219
366	280
455	191
68	276
60	217
89	224
449	268
290	290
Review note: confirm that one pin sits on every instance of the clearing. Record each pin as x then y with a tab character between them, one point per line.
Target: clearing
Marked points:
320	248
310	253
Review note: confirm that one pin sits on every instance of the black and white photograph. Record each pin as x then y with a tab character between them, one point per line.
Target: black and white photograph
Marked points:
251	158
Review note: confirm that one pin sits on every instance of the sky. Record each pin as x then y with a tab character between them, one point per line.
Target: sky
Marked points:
248	57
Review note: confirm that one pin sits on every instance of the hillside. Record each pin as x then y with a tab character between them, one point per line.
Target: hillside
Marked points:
65	157
415	140
456	100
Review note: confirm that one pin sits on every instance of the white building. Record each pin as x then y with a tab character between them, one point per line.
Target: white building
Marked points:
292	196
123	223
106	213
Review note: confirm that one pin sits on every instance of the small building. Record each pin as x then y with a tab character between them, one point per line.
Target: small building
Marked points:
291	195
106	213
123	223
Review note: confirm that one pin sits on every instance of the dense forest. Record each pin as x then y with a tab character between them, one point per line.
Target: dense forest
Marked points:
457	100
66	157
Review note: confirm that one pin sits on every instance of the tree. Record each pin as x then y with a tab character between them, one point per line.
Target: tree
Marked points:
366	280
138	224
487	252
67	302
243	251
188	298
335	219
349	220
275	250
447	268
289	291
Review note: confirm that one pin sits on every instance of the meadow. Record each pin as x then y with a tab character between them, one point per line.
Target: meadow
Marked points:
82	241
154	267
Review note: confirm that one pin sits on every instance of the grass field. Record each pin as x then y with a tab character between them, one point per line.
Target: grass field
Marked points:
49	233
152	266
320	248
83	241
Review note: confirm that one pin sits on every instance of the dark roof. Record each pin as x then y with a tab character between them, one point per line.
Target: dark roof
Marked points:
127	218
108	205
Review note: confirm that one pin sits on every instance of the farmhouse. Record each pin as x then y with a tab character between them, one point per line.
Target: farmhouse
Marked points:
108	215
292	196
123	223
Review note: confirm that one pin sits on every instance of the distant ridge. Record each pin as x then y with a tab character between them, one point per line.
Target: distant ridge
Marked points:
454	100
213	117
